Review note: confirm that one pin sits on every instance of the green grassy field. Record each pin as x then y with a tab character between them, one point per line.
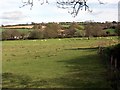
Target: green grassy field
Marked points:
20	30
111	31
54	63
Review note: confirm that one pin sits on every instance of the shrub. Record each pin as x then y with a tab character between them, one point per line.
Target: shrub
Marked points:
51	30
35	34
11	34
112	53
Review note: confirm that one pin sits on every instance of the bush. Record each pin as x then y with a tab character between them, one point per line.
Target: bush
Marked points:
11	34
112	52
79	33
51	30
35	34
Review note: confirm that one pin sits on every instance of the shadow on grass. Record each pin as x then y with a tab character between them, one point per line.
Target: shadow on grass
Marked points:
11	81
93	48
84	72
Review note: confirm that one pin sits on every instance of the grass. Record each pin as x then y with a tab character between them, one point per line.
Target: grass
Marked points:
112	31
20	30
55	63
67	26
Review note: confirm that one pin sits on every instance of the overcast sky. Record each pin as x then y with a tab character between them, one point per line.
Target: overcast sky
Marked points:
10	13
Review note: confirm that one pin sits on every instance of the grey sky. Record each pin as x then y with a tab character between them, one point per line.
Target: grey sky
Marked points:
12	14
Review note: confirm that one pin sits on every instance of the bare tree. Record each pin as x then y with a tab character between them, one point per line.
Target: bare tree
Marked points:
51	30
93	30
31	2
74	5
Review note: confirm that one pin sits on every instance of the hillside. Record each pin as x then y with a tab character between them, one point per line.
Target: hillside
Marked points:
18	26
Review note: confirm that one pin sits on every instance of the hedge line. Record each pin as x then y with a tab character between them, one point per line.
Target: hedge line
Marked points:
111	55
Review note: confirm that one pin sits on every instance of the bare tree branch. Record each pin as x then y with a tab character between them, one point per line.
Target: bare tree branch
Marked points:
74	5
25	3
101	2
31	2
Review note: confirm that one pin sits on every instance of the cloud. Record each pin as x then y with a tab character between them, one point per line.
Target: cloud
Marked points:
14	15
11	13
104	1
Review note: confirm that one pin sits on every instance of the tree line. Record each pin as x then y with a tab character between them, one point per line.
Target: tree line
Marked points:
63	30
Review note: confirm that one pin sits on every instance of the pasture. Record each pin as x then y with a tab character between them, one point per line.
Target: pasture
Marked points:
54	63
20	30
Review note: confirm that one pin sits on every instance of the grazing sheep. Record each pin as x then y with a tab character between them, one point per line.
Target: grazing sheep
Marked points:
107	38
34	40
